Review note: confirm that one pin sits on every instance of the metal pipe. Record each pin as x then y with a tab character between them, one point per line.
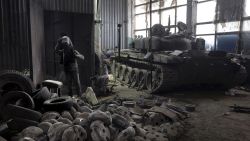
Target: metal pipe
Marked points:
240	44
28	34
119	40
216	25
150	24
150	44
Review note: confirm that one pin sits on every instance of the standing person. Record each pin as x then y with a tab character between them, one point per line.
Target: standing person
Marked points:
68	54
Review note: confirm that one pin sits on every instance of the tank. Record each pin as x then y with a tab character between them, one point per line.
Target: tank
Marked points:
166	61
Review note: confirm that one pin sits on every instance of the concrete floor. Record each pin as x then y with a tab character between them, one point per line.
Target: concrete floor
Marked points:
212	120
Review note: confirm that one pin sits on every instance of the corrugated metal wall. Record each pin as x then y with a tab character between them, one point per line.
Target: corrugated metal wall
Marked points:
37	41
113	12
14	35
15	29
78	6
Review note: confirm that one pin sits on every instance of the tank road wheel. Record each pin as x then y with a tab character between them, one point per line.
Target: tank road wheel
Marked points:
142	79
122	72
131	76
113	67
165	79
150	80
127	75
157	80
134	79
117	67
119	71
157	83
158	77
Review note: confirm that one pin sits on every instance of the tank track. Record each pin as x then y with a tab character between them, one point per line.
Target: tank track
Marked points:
164	78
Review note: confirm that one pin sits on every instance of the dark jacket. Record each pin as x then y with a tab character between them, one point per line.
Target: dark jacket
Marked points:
65	49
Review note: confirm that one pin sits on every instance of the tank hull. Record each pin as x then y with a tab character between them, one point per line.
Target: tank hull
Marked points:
171	70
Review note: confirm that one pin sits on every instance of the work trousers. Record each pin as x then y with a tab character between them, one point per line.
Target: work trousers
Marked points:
73	80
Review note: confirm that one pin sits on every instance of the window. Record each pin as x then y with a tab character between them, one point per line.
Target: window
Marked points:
165	17
167	3
206	11
201	0
209	44
140	22
228	27
137	2
247	8
213	31
246	25
181	14
140	33
227	43
161	11
155	6
155	19
205	29
140	9
181	2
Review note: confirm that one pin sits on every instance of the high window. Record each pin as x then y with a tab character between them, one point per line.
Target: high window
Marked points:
161	12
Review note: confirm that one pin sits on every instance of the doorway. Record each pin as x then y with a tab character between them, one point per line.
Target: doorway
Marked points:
79	28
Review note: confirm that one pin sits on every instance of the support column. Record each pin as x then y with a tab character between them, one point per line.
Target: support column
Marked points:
191	16
130	26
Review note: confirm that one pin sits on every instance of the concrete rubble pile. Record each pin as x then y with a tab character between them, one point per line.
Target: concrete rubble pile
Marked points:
47	117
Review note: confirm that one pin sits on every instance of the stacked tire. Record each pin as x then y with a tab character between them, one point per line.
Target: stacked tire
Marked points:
17	109
12	80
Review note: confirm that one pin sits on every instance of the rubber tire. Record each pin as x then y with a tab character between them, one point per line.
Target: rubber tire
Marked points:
22	82
2	139
13	96
18	124
40	96
14	111
58	104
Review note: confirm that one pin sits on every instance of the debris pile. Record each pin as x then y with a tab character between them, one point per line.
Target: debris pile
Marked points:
240	109
46	117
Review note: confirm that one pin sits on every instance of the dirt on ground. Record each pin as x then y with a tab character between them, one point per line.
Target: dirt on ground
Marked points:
213	120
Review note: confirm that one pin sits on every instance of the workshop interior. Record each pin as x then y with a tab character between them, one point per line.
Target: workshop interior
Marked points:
124	70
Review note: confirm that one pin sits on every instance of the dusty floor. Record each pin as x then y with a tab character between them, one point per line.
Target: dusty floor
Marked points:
212	120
